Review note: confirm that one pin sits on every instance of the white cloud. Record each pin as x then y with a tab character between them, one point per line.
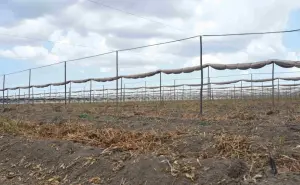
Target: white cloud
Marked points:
85	24
38	54
105	69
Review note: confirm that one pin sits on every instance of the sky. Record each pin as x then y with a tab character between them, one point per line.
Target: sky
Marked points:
34	33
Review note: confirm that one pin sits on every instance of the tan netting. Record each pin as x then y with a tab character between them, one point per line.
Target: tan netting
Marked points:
240	66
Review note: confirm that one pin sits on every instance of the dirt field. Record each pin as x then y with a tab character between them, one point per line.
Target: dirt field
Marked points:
147	143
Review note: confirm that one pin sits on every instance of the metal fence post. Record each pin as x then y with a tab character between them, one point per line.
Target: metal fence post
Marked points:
174	90
294	90
117	76
191	93
44	96
29	84
3	91
7	102
154	98
65	82
103	94
278	90
70	92
145	94
251	87
121	95
32	95
49	93
160	87
234	91
124	94
91	91
290	92
241	89
262	89
84	94
183	92
273	103
201	68
19	96
208	84
106	95
93	97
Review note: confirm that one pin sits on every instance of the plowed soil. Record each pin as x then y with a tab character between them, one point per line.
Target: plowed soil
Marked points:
145	143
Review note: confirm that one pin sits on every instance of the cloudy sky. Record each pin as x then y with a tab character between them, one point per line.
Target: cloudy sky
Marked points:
34	33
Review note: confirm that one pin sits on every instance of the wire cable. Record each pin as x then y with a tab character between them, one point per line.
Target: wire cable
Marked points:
132	14
168	42
251	33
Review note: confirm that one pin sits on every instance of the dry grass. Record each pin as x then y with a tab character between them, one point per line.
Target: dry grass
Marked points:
109	138
233	146
227	145
242	147
289	164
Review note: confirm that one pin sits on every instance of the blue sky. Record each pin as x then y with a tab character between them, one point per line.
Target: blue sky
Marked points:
73	25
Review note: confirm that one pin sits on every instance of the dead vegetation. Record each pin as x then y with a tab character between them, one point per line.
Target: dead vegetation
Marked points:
247	132
108	138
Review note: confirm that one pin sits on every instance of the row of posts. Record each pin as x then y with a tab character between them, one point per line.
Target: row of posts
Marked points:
166	94
117	80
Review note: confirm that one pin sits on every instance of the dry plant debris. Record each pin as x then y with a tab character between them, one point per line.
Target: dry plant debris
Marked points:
87	134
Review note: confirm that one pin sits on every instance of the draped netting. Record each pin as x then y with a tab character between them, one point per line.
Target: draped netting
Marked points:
239	66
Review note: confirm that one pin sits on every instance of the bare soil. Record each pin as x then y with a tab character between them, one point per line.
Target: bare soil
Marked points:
151	143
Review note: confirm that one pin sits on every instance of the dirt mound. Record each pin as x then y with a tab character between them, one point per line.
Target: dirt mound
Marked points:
149	143
26	161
